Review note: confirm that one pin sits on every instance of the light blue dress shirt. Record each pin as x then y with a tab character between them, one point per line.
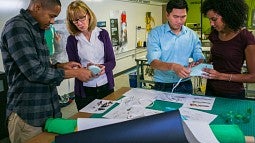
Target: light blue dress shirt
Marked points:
166	46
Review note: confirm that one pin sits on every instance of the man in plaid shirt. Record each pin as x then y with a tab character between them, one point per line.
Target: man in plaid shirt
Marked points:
32	96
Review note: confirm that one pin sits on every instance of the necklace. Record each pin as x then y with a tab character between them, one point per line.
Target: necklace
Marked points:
226	36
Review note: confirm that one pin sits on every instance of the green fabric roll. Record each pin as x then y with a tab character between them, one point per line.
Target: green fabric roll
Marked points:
60	125
228	133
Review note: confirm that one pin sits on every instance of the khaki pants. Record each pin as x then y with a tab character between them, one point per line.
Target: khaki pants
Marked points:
20	131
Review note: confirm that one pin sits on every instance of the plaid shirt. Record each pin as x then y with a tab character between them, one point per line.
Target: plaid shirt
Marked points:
32	81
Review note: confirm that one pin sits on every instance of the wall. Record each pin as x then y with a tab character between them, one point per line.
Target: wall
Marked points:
194	11
135	16
251	4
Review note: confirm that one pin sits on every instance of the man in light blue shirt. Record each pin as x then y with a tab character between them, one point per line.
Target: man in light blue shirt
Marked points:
170	46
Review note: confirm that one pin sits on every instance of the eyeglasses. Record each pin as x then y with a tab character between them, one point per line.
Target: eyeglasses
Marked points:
82	19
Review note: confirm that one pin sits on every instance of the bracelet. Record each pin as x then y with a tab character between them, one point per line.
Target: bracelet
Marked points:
230	78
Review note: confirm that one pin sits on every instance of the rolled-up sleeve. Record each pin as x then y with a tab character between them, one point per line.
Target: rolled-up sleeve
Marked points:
153	46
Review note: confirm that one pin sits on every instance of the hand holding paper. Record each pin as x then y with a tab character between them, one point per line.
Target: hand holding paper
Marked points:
198	70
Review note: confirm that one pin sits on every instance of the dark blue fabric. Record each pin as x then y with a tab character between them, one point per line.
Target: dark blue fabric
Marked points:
160	128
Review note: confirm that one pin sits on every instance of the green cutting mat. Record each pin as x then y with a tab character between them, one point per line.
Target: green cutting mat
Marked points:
223	107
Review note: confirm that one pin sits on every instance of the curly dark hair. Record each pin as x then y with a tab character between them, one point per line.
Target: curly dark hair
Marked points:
234	12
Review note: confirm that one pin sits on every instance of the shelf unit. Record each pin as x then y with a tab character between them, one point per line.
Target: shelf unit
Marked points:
140	45
140	37
141	81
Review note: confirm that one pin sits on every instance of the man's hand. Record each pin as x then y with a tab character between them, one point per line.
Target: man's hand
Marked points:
69	65
192	64
181	71
83	74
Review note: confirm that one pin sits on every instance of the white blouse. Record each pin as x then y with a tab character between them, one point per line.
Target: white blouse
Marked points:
91	52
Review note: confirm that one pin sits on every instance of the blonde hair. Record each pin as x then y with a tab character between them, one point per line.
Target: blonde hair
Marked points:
74	10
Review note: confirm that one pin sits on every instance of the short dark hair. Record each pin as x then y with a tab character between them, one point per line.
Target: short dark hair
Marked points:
47	3
233	12
178	4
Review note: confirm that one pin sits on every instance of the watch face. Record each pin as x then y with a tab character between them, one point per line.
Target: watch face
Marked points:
1	85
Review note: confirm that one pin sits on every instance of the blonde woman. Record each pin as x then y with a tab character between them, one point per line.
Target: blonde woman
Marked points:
89	45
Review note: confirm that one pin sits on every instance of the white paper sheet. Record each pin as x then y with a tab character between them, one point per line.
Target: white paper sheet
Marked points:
123	112
98	106
151	94
199	102
188	101
197	70
198	132
195	115
137	100
88	123
173	97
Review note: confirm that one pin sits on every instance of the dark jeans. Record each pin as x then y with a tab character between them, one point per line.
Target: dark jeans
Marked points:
92	93
183	87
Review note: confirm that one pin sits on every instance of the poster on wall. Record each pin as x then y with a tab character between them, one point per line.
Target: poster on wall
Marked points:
114	31
123	35
118	28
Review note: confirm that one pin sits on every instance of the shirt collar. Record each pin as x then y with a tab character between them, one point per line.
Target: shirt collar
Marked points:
94	33
29	17
168	29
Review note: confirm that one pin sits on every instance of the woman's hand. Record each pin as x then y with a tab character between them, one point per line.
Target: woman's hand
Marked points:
211	74
102	67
